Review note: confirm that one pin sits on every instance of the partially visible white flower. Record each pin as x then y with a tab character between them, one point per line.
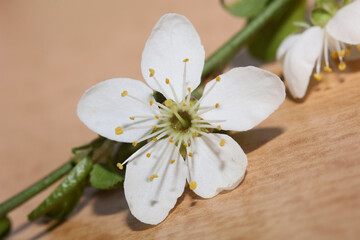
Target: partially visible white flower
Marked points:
181	145
308	52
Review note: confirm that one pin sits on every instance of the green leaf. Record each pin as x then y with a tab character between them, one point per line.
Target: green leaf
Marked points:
72	181
5	226
245	8
320	17
103	178
264	44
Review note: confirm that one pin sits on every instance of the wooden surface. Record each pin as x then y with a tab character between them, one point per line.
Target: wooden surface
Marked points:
303	177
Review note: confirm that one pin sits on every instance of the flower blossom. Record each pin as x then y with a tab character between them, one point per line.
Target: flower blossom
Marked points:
181	146
308	52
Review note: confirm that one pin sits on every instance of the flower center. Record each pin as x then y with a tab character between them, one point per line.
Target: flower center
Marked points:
184	123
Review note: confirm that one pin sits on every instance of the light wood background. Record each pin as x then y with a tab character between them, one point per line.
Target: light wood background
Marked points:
303	177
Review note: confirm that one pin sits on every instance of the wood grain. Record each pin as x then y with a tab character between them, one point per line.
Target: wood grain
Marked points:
303	177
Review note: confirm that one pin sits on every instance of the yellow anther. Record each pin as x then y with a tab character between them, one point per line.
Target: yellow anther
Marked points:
218	127
120	166
334	55
190	154
154	127
156	116
171	140
118	131
347	51
148	155
184	104
342	66
167	81
153	176
186	60
358	47
172	161
341	53
327	69
124	93
168	102
196	133
134	144
151	102
222	142
189	89
152	72
185	144
318	77
192	185
198	118
218	79
155	139
217	105
132	118
191	104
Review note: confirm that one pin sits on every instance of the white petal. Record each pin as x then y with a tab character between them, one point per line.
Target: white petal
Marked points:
172	40
345	25
151	201
285	45
246	96
102	108
300	60
215	168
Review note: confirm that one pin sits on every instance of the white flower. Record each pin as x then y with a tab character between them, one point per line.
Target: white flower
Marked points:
307	52
124	110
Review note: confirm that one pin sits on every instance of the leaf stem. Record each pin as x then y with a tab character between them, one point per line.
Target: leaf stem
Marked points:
34	189
218	60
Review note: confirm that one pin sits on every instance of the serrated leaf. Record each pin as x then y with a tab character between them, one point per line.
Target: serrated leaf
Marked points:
72	181
103	178
245	8
320	17
5	226
264	44
68	203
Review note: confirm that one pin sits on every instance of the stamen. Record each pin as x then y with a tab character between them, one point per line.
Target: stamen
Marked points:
167	81
132	118
196	133
334	55
347	51
172	161
190	154
155	139
119	166
134	144
217	105
153	176
124	93
342	66
171	140
341	53
218	79
151	102
156	116
154	128
152	72
327	69
118	131
192	185
222	142
148	155
218	128
169	103
185	144
184	78
318	76
206	93
358	47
